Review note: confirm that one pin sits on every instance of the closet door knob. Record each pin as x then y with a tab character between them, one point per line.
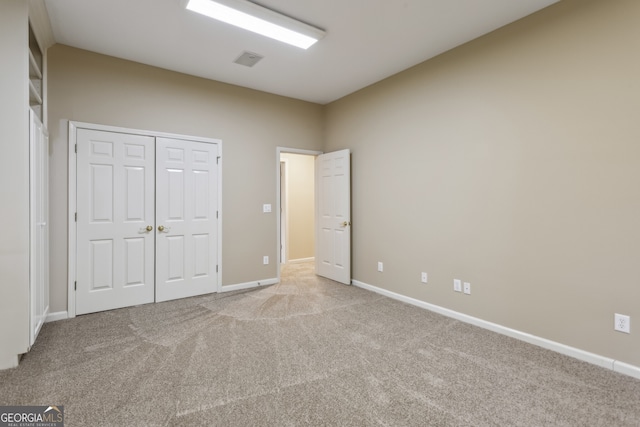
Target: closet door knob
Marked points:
149	228
161	228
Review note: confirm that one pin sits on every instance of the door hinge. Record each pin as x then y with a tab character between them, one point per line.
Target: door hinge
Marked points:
217	215
75	217
75	286
216	268
218	160
76	148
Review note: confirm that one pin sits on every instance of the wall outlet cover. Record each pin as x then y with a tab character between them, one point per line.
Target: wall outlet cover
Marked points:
467	288
622	323
266	208
423	277
265	260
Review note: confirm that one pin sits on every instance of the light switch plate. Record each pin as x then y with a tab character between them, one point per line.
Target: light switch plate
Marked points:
457	285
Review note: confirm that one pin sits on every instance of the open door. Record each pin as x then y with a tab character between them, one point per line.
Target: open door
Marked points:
333	226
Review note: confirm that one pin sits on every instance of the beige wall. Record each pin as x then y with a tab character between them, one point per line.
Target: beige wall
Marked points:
512	162
89	87
14	176
300	205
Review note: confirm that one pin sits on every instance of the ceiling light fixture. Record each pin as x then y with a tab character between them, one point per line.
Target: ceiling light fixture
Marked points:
253	17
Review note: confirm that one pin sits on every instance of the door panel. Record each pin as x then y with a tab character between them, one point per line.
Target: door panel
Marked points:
333	180
115	203
135	259
186	208
101	264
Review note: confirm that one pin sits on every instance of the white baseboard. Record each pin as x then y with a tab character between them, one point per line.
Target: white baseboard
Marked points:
300	260
58	315
585	356
249	285
626	369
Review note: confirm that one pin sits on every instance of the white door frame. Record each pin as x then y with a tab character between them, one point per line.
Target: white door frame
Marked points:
284	216
72	193
280	150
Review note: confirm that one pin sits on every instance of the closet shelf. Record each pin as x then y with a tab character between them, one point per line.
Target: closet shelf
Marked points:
34	69
34	93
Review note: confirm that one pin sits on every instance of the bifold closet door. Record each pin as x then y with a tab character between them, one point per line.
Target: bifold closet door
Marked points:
115	220
186	218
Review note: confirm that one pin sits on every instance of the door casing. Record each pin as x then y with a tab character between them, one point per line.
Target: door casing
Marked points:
72	193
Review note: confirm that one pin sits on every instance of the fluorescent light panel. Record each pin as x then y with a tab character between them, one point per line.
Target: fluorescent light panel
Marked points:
260	20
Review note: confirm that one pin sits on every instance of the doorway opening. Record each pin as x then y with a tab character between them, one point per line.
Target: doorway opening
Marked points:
296	206
328	197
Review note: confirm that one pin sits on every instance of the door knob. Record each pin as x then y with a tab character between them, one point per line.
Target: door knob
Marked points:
344	224
161	228
149	228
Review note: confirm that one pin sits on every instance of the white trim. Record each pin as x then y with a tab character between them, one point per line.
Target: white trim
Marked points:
143	132
626	369
219	261
301	260
33	333
585	356
72	233
284	247
280	150
72	251
58	315
249	285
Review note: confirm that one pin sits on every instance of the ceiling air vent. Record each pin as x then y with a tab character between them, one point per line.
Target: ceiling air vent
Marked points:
248	59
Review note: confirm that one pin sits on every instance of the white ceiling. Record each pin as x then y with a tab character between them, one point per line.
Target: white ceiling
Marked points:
366	41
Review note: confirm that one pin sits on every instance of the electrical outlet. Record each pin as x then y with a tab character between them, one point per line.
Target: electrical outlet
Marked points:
467	288
423	277
265	260
457	285
380	267
622	323
266	208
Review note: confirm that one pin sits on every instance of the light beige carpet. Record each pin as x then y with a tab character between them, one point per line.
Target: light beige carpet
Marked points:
304	352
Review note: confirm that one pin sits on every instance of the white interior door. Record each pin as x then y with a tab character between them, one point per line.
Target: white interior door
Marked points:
115	218
186	218
333	235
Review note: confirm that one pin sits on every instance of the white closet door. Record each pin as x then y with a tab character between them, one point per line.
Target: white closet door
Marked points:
39	189
186	218
115	233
